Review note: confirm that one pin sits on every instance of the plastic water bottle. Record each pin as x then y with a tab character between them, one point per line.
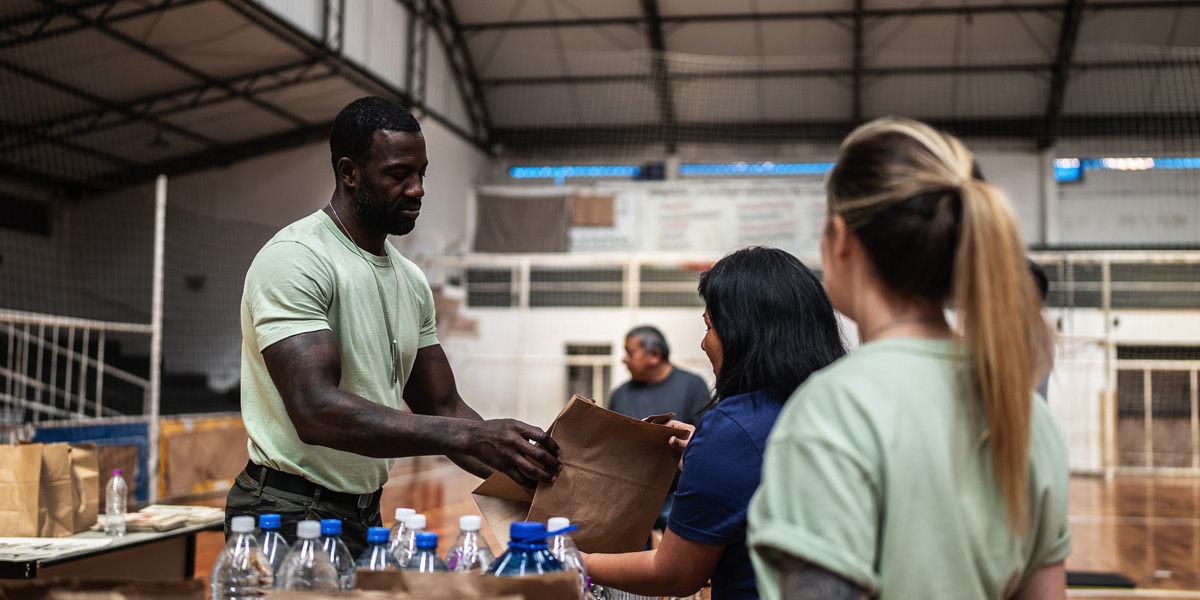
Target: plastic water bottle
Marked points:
527	553
241	570
377	557
307	567
470	551
396	534
115	496
426	559
407	546
339	554
271	541
564	549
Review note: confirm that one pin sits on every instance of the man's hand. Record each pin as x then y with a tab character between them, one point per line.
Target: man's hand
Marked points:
680	442
523	452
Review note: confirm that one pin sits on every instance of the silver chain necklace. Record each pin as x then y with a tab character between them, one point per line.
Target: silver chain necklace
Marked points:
394	347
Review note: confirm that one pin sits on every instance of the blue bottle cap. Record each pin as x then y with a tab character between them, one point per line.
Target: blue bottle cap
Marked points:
522	530
331	527
270	521
427	539
377	534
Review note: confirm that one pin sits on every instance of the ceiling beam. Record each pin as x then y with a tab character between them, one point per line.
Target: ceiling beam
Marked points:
174	63
61	142
841	73
166	104
352	71
104	102
1031	127
225	155
445	25
870	14
53	23
660	74
1060	71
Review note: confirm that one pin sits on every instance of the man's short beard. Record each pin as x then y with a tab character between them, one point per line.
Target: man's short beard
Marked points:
372	212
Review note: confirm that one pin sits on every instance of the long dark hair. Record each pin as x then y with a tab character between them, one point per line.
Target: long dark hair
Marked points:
775	323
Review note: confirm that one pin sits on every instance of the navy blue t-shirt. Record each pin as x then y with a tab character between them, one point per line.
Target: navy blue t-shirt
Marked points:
722	468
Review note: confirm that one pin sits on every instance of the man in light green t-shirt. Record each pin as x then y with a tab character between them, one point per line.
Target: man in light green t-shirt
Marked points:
338	334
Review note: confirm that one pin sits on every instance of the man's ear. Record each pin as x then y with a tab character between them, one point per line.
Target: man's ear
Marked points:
655	354
347	173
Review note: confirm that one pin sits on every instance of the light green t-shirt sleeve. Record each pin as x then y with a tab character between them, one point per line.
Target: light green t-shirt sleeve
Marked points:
288	292
1053	542
428	325
820	496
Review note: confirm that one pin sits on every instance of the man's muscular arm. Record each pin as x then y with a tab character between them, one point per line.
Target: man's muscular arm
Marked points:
307	368
803	580
431	390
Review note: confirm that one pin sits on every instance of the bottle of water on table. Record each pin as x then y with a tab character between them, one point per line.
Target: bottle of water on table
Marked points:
527	553
563	548
407	546
377	557
307	567
242	570
396	534
470	551
339	553
115	495
425	559
271	541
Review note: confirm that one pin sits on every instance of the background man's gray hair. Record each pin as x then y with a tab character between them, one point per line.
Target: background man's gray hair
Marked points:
650	338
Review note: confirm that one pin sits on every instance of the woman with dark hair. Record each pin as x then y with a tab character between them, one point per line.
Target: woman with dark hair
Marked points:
922	465
769	326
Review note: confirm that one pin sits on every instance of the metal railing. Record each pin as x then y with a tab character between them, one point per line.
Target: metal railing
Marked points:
50	361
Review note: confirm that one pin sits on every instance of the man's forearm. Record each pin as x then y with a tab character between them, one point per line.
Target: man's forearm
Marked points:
350	423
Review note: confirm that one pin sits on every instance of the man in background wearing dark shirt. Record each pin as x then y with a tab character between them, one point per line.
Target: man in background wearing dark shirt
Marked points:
657	387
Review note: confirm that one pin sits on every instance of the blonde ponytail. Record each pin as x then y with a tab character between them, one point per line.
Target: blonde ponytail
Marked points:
1008	340
935	231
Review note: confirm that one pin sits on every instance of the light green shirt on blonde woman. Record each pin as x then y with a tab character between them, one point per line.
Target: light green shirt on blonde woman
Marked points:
310	277
877	471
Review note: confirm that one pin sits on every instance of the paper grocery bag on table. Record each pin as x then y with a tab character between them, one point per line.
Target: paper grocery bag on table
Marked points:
20	471
56	492
85	482
436	586
616	474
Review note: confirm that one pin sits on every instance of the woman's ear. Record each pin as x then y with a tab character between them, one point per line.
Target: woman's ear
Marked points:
839	237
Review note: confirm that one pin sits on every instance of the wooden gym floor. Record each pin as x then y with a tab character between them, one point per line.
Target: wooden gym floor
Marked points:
1145	528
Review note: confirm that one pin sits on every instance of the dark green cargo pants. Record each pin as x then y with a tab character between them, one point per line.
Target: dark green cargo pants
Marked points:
249	497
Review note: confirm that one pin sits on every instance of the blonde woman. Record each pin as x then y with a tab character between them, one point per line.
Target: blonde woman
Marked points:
921	465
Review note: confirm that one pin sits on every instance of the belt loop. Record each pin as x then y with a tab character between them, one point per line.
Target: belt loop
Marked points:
364	500
316	497
262	477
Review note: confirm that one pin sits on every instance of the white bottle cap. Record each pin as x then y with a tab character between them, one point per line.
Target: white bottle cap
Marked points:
308	530
470	522
415	521
556	523
242	524
403	512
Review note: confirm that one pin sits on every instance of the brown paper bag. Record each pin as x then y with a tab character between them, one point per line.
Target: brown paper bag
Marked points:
20	471
85	482
101	589
616	474
56	496
435	586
